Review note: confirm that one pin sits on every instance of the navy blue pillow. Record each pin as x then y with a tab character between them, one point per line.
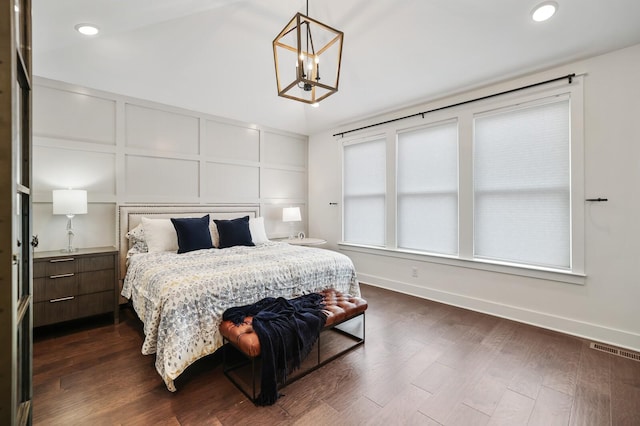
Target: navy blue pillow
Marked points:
193	233
234	232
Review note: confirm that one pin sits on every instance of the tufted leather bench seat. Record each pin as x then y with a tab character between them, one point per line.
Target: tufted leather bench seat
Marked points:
339	308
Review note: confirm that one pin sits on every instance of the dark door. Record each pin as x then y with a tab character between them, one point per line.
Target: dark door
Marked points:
15	213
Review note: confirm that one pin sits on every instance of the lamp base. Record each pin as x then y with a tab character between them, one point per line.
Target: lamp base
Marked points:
70	234
292	231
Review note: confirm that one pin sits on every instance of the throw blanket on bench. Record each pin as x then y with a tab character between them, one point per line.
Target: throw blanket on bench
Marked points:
287	330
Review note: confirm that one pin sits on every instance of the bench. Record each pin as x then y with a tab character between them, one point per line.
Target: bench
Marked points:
342	332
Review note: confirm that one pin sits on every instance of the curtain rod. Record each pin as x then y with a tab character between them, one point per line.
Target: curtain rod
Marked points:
568	76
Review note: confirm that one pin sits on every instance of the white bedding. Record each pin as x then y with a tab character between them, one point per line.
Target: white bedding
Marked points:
181	297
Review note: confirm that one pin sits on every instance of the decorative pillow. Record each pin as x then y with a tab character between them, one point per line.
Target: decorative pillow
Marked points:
193	233
215	237
136	234
137	243
160	235
234	232
256	227
135	250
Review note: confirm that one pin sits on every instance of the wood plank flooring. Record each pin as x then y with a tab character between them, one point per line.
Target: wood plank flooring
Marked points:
423	363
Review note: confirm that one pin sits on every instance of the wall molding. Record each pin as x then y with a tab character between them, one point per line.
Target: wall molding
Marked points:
128	150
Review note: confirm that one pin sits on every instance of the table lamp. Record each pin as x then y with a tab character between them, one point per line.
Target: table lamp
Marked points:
291	215
69	202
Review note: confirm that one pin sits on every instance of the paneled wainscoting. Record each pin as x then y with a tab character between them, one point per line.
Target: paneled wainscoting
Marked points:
423	363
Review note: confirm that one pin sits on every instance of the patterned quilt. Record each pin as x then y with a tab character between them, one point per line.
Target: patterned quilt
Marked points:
180	298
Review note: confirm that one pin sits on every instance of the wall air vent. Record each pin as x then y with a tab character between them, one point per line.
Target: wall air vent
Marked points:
615	351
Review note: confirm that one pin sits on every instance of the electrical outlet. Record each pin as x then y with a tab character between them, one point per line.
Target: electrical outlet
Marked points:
414	272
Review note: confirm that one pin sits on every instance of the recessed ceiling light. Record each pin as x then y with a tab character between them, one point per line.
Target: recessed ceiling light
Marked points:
87	29
315	104
544	11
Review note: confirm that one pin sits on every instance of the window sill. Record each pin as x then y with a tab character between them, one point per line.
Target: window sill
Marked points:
484	265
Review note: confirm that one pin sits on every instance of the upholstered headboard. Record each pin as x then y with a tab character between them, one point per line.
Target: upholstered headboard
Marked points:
130	215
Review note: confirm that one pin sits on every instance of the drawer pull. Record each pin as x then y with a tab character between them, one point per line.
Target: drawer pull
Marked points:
62	299
64	259
53	277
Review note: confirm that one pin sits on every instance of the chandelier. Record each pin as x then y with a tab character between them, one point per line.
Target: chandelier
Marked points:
298	51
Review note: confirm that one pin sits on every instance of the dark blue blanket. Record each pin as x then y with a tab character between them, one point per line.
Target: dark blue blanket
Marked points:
287	330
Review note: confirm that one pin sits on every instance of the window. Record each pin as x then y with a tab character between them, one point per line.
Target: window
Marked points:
522	188
364	181
496	185
427	189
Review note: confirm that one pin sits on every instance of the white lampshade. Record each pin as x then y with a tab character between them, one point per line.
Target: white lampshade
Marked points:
69	201
291	214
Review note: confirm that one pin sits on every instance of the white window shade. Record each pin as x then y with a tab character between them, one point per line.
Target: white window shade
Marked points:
521	169
364	180
427	189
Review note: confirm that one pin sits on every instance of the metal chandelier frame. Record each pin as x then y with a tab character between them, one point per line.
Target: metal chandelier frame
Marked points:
313	43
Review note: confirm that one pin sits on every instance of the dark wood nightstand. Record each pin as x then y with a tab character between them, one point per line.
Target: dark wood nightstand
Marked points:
74	285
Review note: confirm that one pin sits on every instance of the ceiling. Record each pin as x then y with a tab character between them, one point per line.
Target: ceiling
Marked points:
215	56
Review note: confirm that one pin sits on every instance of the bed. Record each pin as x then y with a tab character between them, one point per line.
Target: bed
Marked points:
180	298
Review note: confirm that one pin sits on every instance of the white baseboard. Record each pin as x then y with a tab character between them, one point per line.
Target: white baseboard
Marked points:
585	330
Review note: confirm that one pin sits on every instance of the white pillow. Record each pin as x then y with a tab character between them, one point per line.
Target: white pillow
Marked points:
160	235
215	237
256	227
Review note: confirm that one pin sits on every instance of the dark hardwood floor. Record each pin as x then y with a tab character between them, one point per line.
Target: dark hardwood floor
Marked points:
423	363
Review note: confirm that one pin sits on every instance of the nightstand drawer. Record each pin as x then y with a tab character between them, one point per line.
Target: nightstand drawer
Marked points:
56	310
93	282
58	266
45	289
96	263
96	303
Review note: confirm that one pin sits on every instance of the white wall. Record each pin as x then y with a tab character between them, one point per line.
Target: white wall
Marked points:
126	150
607	307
